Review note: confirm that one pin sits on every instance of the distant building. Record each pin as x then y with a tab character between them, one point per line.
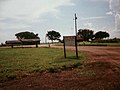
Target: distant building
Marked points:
12	42
23	42
79	39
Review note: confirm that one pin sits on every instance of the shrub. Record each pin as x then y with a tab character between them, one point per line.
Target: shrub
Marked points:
107	41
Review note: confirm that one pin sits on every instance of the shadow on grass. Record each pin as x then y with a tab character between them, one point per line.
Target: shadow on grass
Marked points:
72	57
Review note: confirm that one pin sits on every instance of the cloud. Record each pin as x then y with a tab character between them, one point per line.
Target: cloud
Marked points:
92	18
31	8
115	8
117	21
21	13
3	37
109	13
88	25
114	34
98	0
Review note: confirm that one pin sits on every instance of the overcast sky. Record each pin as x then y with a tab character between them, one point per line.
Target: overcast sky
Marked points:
40	16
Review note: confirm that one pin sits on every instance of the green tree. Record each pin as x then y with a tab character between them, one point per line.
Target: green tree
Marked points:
53	35
85	34
101	35
26	35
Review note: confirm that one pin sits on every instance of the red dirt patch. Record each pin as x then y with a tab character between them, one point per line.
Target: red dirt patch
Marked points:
100	72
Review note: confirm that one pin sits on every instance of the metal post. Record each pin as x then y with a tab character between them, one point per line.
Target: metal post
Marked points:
76	46
64	47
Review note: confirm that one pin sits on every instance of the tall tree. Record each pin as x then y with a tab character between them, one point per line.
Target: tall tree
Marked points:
101	35
53	35
85	34
26	35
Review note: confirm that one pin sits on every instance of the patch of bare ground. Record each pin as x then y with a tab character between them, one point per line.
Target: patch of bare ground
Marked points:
100	72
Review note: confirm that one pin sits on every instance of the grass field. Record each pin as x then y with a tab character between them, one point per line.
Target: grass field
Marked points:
19	62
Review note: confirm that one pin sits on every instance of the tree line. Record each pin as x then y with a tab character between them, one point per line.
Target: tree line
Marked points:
51	35
82	35
88	35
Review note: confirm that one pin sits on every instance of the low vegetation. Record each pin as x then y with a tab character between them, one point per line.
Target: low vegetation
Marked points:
19	62
98	44
93	44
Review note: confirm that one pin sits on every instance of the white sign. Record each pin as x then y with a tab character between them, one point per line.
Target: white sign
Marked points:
69	40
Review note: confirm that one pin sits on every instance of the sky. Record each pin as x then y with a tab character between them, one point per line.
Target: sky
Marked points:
41	16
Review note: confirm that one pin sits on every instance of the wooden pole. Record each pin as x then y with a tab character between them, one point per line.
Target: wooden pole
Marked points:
76	46
64	48
76	35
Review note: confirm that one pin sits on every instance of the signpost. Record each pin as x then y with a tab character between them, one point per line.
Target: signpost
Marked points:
70	41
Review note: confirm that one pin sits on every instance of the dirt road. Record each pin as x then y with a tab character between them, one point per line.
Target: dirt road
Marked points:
105	54
101	72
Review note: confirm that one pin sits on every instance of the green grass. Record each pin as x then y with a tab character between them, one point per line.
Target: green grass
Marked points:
18	62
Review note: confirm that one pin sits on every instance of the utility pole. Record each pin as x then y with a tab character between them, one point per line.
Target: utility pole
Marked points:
45	38
75	24
76	35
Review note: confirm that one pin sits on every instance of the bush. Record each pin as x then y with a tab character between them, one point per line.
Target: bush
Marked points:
107	41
